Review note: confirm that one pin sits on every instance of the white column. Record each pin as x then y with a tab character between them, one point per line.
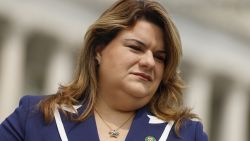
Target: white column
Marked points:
198	96
59	70
12	60
234	123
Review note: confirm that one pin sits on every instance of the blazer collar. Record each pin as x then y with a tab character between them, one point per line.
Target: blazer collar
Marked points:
78	131
69	109
143	125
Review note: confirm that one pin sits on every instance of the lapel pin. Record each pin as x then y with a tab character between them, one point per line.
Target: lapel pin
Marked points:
150	138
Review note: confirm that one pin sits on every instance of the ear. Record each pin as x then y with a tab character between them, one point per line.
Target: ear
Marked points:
98	51
98	57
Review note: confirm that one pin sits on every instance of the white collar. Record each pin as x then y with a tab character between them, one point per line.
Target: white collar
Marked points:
152	119
69	109
155	120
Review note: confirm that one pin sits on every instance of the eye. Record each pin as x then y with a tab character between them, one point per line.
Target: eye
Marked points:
135	47
160	58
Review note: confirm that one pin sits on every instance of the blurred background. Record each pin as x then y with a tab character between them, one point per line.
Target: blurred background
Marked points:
40	40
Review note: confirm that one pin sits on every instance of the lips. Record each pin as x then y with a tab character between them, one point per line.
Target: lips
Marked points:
143	75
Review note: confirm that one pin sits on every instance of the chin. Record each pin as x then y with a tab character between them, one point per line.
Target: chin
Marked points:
138	91
138	94
133	99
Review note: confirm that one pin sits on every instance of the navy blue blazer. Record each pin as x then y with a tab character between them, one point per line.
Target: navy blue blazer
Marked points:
26	124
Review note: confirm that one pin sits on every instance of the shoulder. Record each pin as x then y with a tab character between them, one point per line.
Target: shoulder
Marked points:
30	100
15	125
27	105
193	130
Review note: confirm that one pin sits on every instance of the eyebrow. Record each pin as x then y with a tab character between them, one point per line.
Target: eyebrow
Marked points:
137	41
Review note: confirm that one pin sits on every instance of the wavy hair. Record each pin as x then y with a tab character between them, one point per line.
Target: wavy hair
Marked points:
166	104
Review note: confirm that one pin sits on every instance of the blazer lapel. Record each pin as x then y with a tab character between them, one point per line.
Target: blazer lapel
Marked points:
80	131
84	131
145	126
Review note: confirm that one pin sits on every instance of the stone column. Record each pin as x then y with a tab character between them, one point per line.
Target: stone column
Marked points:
235	115
59	70
198	96
12	60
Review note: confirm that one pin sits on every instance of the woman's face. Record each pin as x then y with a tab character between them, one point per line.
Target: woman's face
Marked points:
131	66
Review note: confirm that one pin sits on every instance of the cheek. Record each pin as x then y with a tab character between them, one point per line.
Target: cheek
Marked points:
159	72
124	60
115	65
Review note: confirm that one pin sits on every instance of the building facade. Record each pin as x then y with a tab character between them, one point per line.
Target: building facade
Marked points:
39	42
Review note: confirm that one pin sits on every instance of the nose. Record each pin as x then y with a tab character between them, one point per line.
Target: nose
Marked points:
147	60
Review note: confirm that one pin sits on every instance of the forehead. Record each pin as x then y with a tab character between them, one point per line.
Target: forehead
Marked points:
146	32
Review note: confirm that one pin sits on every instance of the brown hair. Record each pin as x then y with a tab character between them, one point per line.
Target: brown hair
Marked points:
166	104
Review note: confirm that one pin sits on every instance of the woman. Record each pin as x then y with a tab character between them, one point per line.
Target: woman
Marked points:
126	85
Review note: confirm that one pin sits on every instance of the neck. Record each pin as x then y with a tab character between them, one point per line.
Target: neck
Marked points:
110	113
112	124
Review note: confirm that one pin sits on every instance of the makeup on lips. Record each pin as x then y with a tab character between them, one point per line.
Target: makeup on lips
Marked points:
143	76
